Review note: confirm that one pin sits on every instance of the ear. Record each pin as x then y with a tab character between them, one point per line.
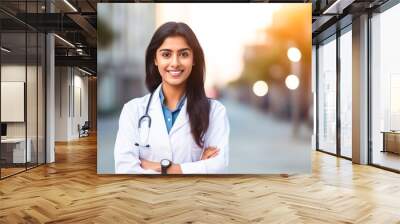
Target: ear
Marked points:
155	62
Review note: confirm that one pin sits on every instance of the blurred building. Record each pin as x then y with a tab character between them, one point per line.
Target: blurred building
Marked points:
121	62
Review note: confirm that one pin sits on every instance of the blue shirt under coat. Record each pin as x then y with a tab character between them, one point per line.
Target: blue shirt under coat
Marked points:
170	116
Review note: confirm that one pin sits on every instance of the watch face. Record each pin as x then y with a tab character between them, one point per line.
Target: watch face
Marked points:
165	162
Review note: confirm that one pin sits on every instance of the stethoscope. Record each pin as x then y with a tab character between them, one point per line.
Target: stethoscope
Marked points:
144	135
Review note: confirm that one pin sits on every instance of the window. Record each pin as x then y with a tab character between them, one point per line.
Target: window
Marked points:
327	96
385	89
346	93
23	87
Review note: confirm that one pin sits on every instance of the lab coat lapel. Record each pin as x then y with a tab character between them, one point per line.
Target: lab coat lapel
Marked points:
158	127
181	120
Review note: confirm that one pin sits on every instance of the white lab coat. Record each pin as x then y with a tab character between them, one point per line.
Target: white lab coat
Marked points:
177	146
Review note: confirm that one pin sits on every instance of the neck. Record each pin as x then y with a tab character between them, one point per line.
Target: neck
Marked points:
173	94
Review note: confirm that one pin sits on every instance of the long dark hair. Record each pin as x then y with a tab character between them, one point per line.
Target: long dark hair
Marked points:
198	105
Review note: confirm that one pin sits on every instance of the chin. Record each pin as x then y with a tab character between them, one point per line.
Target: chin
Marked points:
175	82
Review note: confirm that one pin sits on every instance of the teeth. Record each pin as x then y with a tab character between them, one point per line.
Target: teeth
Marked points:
175	72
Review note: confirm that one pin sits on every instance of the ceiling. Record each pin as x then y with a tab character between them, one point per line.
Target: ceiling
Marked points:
74	22
331	15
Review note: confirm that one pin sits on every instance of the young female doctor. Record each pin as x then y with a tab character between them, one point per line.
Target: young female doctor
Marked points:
175	129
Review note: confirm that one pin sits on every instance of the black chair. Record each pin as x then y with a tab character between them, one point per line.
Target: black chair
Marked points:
84	130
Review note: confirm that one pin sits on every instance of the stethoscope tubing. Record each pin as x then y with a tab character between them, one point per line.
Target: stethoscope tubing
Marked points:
145	116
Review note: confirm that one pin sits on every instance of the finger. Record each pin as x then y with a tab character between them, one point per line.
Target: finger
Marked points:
207	152
204	155
211	149
210	152
213	154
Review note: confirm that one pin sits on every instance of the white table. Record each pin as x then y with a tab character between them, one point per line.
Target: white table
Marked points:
19	149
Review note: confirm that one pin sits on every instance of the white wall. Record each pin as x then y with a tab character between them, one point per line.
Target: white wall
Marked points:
80	94
71	87
33	126
12	73
61	103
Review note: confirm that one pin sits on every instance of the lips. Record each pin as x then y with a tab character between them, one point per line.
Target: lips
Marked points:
175	73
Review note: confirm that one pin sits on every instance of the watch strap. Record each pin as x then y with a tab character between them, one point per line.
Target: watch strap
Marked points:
165	168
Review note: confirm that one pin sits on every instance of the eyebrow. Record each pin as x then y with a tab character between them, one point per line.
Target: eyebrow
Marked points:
180	50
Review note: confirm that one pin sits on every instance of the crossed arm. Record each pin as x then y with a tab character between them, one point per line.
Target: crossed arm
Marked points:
213	160
208	153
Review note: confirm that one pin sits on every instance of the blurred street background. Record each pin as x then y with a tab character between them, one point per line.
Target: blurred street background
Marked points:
258	64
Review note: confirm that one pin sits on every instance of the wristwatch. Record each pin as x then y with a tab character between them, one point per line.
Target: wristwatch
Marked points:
165	164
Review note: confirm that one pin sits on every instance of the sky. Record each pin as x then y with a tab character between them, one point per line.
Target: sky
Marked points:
223	31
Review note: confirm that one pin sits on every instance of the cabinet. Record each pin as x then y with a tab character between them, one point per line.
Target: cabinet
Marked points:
391	141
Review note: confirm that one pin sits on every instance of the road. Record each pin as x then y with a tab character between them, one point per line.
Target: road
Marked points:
259	144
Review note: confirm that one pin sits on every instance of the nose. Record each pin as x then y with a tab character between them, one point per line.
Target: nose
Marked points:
175	60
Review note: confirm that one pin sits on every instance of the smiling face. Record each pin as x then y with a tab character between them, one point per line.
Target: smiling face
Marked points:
174	60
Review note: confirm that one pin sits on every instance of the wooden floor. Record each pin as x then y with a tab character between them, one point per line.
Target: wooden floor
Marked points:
10	171
70	191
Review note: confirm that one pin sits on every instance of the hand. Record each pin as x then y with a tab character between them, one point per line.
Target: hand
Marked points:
149	165
209	152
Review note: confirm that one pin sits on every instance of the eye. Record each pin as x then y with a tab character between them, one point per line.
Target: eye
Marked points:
165	54
185	54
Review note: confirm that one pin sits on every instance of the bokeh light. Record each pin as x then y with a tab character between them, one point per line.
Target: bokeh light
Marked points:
294	54
260	88
292	82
